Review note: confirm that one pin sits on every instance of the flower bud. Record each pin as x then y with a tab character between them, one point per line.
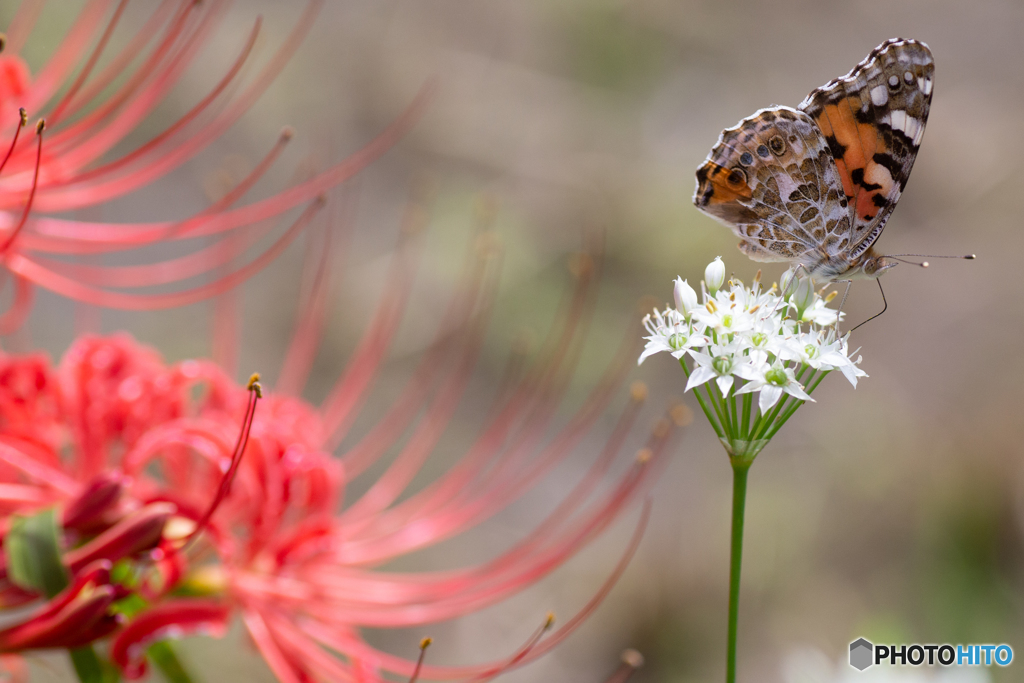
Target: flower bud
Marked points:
804	295
786	284
714	275
686	298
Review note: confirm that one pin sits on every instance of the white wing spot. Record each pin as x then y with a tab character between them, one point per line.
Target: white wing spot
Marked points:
912	128
879	95
926	85
908	76
898	119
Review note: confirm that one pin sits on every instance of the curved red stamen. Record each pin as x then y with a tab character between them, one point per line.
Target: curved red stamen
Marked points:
14	142
255	394
40	127
117	66
522	652
424	644
192	114
75	289
91	63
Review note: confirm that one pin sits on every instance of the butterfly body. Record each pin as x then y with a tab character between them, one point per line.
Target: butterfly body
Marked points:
815	185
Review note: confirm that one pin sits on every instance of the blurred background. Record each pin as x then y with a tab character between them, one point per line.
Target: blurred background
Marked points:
892	512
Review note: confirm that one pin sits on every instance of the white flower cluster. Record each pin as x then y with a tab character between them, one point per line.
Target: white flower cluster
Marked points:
765	338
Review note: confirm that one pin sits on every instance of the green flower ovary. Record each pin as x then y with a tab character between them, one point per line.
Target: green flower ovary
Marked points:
777	376
722	365
677	341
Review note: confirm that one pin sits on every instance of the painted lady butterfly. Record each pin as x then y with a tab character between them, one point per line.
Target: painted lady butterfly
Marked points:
815	185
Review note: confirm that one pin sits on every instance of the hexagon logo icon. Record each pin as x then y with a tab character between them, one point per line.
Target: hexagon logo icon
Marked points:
861	652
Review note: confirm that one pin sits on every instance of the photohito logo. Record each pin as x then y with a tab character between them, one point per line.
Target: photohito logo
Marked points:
863	653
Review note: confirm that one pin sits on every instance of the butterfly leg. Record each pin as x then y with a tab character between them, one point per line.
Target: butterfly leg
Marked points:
842	303
885	304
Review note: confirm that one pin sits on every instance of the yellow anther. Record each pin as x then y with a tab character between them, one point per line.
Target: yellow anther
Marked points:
254	385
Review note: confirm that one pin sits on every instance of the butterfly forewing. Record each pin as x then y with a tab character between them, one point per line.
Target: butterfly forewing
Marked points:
873	120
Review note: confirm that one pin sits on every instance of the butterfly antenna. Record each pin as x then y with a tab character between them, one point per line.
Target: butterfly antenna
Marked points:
884	307
924	264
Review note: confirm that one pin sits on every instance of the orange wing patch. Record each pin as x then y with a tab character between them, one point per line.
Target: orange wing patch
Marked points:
854	146
717	184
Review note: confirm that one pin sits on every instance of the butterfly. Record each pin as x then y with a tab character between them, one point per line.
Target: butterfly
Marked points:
815	185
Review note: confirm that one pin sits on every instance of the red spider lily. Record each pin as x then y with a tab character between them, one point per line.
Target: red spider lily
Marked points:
92	100
137	456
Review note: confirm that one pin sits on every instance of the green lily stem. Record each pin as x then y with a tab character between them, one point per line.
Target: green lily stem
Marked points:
740	467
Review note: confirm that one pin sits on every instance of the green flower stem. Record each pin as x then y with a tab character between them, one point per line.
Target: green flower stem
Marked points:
732	407
703	405
90	668
745	429
740	467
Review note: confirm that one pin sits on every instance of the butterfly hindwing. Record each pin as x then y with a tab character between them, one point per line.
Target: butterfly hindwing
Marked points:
773	181
873	120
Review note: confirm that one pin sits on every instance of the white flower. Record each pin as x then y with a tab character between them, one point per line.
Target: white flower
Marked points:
805	348
726	314
724	362
669	332
714	275
753	334
686	298
818	313
766	335
772	381
835	355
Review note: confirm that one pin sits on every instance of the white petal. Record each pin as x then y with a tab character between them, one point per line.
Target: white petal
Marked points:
649	350
725	383
699	375
749	372
769	397
703	359
850	373
793	389
749	387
